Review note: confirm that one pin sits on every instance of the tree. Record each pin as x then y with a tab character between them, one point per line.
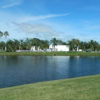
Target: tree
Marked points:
21	44
36	41
2	45
93	45
6	34
24	46
53	42
74	44
83	46
44	44
1	34
28	42
10	46
16	44
59	42
96	46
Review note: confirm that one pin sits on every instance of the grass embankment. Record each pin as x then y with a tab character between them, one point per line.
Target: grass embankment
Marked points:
83	88
51	53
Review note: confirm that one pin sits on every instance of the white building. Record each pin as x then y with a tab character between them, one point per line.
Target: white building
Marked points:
33	48
79	49
59	48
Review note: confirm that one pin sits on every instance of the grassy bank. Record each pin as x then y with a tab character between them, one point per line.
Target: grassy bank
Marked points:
84	88
51	53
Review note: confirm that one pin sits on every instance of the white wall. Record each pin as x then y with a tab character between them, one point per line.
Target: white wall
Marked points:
59	48
33	48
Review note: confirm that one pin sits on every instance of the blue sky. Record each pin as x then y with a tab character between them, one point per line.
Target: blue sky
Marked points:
45	19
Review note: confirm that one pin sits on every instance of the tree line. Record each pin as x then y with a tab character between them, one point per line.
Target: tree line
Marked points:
13	45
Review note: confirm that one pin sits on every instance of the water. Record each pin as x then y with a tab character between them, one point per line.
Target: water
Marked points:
18	70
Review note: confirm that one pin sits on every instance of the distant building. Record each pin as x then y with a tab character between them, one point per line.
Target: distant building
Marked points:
51	48
59	48
79	49
33	48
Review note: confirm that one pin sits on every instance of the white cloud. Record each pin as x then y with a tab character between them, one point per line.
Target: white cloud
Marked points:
34	28
11	3
39	30
23	24
32	18
20	17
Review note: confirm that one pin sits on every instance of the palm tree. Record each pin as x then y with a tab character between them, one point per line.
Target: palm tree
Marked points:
59	42
54	42
1	34
16	44
96	46
21	44
70	43
6	34
2	45
75	43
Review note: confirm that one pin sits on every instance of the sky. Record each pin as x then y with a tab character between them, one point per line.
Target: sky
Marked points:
46	19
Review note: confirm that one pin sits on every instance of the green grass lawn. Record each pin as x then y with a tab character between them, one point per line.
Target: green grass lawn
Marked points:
83	88
51	53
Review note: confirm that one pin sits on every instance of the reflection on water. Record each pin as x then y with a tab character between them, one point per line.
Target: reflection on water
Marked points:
18	70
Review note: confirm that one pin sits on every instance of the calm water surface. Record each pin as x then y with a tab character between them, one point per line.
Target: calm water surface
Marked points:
18	70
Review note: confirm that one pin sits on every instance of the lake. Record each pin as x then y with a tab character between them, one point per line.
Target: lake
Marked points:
19	70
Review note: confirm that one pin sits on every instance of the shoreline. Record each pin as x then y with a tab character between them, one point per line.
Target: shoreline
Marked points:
80	88
49	54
